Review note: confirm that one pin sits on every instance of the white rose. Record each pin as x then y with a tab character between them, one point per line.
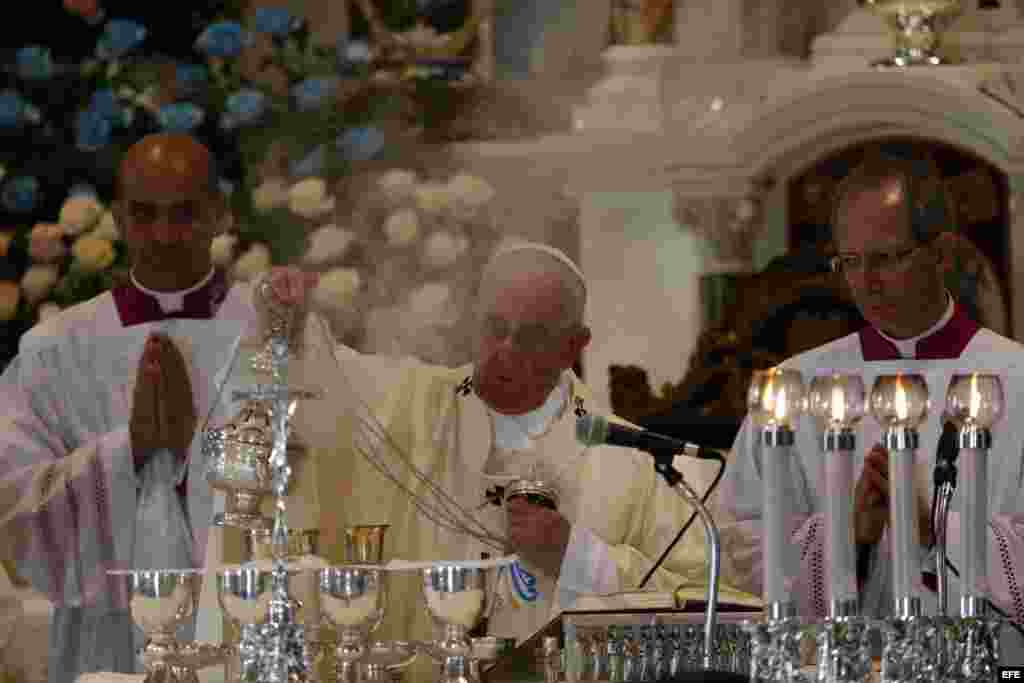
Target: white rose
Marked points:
9	296
402	227
471	190
433	197
79	213
309	198
37	282
443	249
106	228
222	249
337	288
328	244
431	303
253	262
271	194
48	310
398	184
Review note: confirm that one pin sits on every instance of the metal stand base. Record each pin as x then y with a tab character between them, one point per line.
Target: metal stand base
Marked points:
775	646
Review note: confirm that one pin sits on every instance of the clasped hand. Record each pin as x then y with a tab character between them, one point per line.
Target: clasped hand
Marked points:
538	534
163	412
871	501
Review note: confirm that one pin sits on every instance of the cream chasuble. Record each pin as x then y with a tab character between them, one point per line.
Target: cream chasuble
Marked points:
622	516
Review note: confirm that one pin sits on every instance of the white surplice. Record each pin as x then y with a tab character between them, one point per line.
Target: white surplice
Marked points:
741	498
69	486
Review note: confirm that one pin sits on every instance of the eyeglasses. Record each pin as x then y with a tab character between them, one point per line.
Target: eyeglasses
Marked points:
877	261
531	337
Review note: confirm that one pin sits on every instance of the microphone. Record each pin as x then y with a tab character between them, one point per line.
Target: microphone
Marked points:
594	430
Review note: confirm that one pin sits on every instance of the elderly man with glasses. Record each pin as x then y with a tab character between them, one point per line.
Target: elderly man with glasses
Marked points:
887	217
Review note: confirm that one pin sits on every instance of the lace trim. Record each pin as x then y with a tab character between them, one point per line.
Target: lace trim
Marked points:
817	566
1011	577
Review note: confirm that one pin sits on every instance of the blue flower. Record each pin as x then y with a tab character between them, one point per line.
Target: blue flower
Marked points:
311	165
274	21
180	117
222	39
20	194
120	36
189	78
244	107
311	93
34	63
92	130
12	109
105	103
361	144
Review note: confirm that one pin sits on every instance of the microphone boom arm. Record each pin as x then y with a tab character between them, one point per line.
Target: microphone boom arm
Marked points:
674	478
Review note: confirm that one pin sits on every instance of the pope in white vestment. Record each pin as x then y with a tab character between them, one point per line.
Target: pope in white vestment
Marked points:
621	516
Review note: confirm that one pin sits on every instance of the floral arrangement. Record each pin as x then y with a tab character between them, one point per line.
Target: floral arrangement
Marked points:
398	273
285	117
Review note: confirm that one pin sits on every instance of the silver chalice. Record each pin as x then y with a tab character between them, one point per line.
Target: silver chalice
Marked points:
161	600
457	598
352	600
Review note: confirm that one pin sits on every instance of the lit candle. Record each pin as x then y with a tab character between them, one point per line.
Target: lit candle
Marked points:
900	404
975	403
837	401
775	400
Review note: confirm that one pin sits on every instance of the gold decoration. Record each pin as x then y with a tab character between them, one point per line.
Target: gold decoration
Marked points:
917	27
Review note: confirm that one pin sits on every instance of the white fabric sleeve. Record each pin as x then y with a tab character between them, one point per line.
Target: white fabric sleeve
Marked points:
588	567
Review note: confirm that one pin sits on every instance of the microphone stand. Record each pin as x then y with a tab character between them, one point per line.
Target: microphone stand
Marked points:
945	485
663	466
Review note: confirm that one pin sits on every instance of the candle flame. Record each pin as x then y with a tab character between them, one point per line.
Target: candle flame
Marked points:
975	408
780	405
838	404
900	401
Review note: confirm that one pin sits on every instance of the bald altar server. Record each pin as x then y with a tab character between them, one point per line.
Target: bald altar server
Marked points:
889	215
112	387
471	429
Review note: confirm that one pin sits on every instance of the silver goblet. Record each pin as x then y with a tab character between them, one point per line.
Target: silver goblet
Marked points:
457	598
244	593
161	600
352	600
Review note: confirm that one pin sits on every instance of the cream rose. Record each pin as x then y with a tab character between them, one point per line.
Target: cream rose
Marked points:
470	190
398	184
37	282
9	296
253	262
80	213
92	253
337	288
402	227
222	249
328	244
48	310
443	249
271	194
433	197
46	243
430	303
309	198
106	228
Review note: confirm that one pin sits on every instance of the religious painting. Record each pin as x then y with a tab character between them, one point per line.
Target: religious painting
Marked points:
642	22
975	251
